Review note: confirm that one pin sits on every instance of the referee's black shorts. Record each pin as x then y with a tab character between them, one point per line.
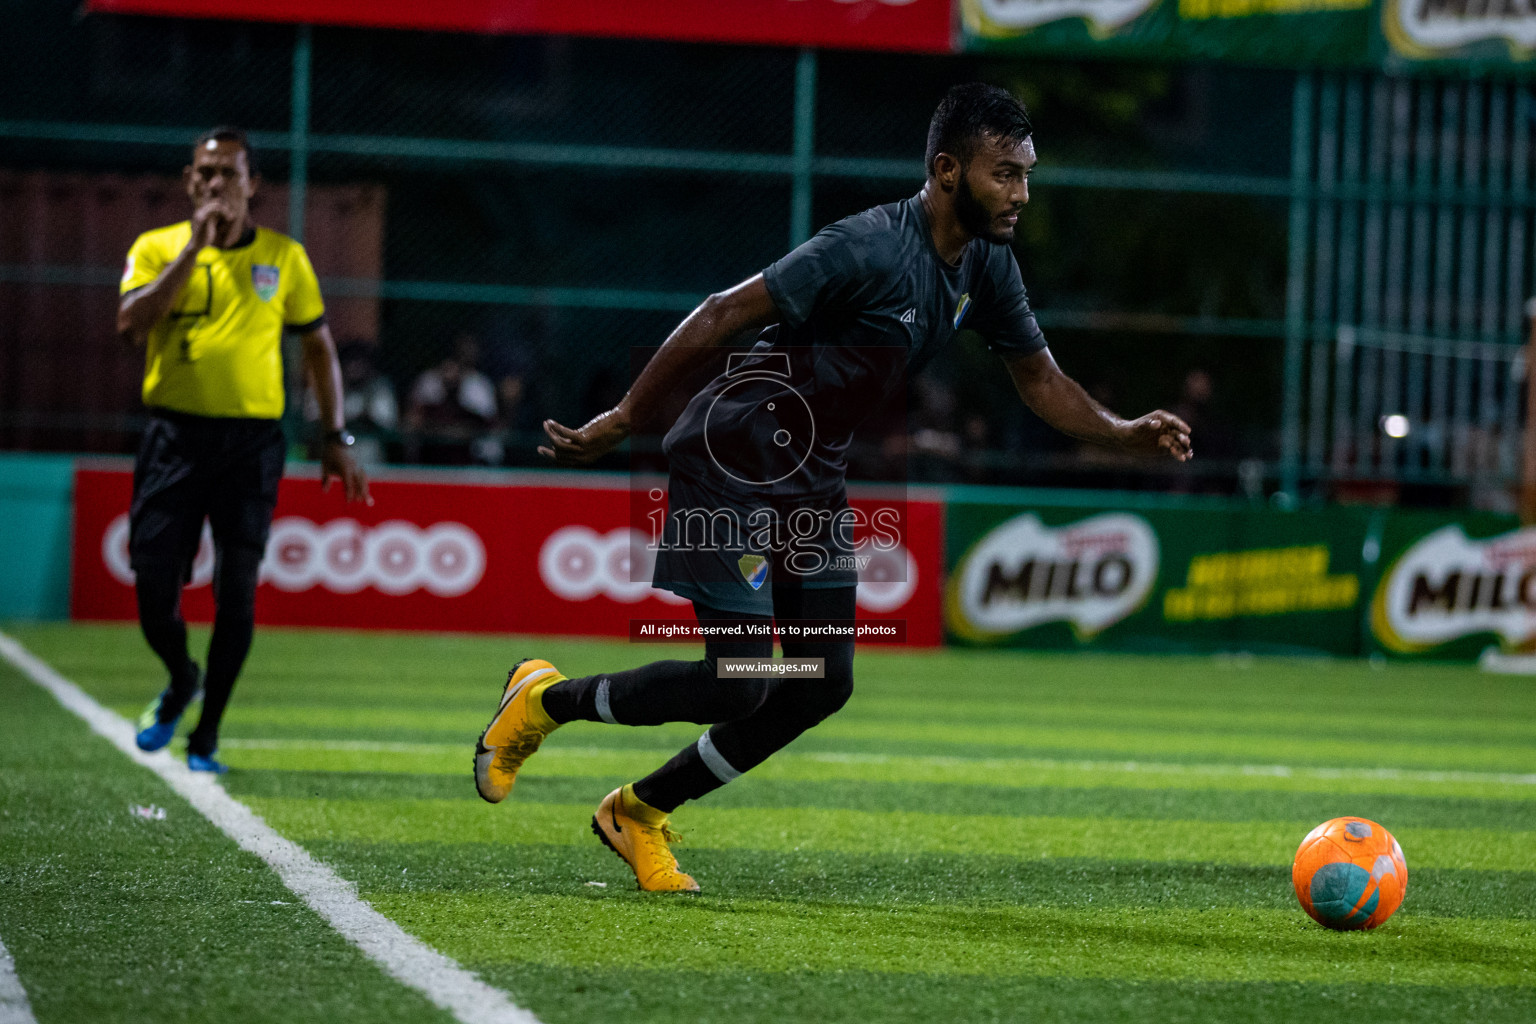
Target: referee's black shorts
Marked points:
194	467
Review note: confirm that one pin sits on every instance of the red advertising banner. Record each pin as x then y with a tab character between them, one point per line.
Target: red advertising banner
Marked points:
925	26
522	556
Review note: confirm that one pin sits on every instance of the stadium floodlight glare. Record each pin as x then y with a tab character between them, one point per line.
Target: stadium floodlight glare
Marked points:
1395	425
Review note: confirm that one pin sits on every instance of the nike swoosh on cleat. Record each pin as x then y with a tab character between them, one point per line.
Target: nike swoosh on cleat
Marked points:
529	678
613	812
510	694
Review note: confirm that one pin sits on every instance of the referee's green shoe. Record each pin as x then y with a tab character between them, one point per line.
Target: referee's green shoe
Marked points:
516	730
157	723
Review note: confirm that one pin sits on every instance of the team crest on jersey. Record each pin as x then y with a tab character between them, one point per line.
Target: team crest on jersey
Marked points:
264	278
962	308
754	569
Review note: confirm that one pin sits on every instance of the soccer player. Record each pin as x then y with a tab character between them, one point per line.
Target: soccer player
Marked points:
844	319
208	300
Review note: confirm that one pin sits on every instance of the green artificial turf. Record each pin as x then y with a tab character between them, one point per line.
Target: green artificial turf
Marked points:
115	917
977	836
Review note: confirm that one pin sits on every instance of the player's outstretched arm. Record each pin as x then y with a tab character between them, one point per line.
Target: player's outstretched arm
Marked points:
1061	402
719	318
324	373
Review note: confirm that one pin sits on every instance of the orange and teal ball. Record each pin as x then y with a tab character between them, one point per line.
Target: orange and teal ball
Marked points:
1349	873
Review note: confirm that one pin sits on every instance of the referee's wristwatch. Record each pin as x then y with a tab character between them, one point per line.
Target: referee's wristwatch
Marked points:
341	437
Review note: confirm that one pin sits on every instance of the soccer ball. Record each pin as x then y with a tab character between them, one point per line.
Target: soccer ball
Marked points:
1349	873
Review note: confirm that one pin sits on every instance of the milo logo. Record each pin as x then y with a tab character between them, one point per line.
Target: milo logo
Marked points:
1007	17
1424	28
1448	586
1023	573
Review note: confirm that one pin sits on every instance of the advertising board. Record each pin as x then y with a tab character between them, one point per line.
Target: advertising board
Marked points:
924	26
1273	32
547	554
1461	31
1156	579
1454	589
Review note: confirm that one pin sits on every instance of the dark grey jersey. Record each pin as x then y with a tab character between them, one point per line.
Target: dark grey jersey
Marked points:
862	305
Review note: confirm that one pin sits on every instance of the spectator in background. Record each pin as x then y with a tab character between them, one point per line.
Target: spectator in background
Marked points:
975	447
1195	399
370	407
452	409
1198	398
508	359
516	411
933	444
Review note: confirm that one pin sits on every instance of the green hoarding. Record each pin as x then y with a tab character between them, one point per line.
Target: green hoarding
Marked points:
1397	34
1341	581
1418	33
1277	32
1156	579
1454	589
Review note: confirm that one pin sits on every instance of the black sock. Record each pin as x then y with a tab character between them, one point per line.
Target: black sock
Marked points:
654	694
234	624
685	777
736	746
667	691
158	589
789	706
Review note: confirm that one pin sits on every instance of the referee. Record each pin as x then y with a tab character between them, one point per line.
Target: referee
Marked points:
208	300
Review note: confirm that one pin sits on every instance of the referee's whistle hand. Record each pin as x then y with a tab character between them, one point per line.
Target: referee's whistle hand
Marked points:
340	465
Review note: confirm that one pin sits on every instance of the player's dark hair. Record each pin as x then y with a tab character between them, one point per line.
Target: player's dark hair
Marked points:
228	133
971	113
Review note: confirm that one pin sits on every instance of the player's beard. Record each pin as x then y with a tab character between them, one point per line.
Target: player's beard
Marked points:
974	217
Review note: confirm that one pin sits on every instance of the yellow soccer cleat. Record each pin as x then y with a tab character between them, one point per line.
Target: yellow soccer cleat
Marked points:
638	833
517	730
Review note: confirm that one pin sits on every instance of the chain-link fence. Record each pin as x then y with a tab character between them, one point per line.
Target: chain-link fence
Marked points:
500	222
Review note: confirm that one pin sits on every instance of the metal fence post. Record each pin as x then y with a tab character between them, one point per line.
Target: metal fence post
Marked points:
1296	286
298	131
298	181
802	187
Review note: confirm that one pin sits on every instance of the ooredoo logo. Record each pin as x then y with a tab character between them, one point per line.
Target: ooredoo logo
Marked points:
343	556
887	579
577	563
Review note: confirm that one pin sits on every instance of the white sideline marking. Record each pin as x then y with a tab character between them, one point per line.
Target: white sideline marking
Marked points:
401	955
14	1007
1279	771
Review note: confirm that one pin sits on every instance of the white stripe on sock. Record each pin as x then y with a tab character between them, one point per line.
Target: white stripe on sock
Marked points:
402	955
716	761
603	710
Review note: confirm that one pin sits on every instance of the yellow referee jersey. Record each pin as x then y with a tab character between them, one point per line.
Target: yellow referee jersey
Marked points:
219	351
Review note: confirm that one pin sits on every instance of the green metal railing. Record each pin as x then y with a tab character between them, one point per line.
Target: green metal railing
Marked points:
1326	202
801	166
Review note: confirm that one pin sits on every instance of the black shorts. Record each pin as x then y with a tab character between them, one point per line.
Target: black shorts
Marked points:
729	554
194	467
